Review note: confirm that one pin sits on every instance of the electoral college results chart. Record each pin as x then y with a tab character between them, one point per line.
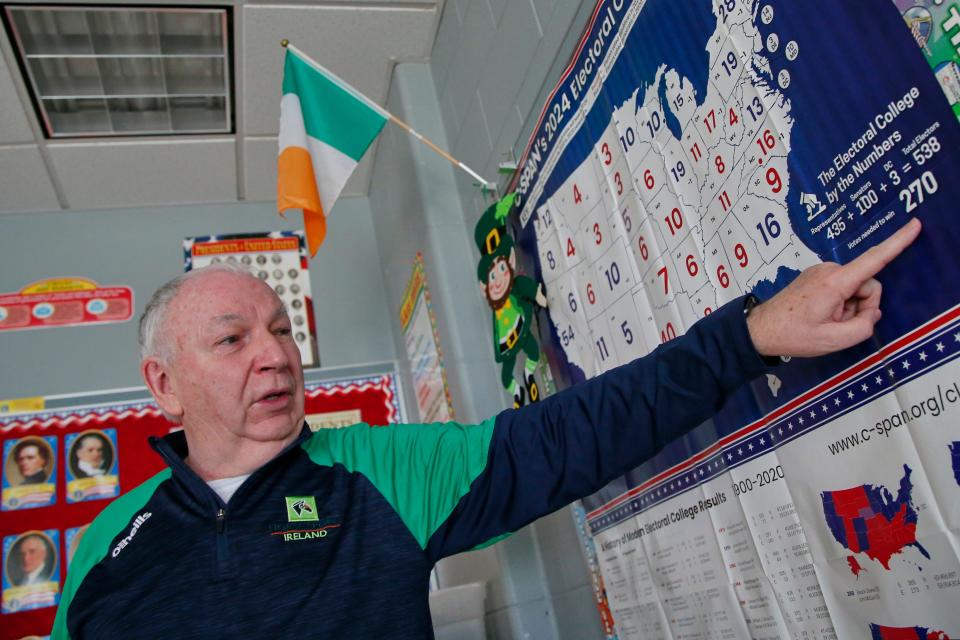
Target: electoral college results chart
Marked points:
697	151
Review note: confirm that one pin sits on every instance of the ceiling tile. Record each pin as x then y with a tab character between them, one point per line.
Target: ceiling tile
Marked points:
24	181
14	126
359	43
134	173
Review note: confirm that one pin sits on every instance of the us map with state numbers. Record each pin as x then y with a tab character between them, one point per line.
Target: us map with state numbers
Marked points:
694	152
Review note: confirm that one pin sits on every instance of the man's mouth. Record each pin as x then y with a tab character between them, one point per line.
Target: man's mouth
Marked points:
275	398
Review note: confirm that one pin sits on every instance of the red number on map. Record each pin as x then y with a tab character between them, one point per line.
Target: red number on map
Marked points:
723	277
648	179
741	253
773	179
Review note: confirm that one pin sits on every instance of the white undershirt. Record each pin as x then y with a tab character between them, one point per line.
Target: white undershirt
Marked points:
226	487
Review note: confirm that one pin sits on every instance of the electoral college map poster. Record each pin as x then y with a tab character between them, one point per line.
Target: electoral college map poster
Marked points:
697	151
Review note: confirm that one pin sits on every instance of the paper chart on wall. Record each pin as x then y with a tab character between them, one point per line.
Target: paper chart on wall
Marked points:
695	152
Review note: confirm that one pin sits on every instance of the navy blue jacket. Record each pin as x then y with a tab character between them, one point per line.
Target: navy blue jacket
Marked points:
336	536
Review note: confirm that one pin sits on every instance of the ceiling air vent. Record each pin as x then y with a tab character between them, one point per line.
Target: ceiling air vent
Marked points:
119	71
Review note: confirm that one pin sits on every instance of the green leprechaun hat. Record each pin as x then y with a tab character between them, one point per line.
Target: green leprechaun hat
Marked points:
491	235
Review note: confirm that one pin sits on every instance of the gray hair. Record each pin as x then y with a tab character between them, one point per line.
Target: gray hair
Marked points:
152	342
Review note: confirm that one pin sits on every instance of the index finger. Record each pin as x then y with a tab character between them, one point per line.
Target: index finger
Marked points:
869	263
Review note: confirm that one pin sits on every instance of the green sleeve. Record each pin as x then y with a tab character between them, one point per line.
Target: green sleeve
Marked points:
96	542
423	470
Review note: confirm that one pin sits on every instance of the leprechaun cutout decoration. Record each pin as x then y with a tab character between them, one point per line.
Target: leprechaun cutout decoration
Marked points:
511	298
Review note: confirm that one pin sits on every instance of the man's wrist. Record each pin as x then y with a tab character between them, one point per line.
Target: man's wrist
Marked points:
753	311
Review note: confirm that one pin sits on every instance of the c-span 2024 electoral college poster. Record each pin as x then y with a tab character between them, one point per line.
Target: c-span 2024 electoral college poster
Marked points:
697	151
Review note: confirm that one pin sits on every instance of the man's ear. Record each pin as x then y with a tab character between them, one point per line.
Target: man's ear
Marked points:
483	289
156	375
513	260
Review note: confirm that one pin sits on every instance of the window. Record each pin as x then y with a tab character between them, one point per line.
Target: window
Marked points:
120	71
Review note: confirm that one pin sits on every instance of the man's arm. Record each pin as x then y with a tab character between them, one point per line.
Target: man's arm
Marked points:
548	454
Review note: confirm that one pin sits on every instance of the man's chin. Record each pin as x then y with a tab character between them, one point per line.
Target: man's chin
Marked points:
275	428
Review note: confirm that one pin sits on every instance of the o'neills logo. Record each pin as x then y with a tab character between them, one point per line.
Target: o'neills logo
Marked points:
143	517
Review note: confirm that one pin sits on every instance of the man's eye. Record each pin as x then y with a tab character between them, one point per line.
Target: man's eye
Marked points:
228	340
283	331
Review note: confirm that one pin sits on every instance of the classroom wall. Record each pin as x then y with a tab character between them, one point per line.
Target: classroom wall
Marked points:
492	66
142	248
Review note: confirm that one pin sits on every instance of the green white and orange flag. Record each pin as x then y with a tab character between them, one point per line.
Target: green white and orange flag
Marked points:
325	128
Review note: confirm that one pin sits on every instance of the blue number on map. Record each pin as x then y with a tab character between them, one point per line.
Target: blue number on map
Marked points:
726	7
602	348
613	275
769	228
755	108
678	171
628	138
730	63
627	222
653	124
573	303
627	334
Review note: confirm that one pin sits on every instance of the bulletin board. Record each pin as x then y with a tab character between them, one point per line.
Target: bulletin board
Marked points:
46	507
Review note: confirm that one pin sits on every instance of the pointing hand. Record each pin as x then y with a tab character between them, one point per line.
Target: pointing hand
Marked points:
828	307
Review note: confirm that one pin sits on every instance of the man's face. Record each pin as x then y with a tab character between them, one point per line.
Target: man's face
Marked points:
33	553
29	460
498	279
235	365
91	451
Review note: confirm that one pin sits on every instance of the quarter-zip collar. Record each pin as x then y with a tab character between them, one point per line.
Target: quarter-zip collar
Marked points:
173	449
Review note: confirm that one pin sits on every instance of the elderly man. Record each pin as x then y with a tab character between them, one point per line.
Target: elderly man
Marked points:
33	567
90	456
261	528
31	459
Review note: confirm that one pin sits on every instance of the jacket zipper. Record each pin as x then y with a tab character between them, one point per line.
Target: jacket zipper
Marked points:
224	568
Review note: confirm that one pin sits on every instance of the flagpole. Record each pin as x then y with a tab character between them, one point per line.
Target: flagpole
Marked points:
373	105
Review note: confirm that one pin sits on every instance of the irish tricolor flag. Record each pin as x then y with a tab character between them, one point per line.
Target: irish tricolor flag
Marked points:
325	127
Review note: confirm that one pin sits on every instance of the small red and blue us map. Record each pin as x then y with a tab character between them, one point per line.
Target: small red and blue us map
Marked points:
867	519
881	632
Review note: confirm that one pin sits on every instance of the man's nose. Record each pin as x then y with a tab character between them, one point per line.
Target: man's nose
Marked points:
270	353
